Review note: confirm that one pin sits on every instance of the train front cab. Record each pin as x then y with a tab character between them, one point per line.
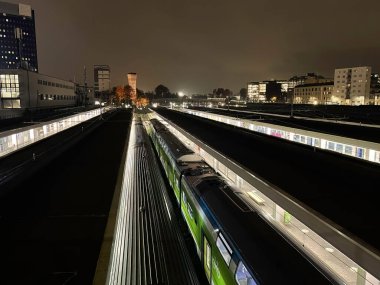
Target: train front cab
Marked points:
221	265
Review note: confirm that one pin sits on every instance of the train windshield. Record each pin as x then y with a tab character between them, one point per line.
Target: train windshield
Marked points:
243	277
224	248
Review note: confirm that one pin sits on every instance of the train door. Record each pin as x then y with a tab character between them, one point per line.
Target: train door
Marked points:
207	257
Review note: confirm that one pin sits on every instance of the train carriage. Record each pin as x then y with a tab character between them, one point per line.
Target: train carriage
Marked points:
235	245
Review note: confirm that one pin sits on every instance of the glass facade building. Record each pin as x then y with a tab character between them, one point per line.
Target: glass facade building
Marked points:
18	48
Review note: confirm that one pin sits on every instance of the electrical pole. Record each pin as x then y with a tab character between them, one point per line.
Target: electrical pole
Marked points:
85	86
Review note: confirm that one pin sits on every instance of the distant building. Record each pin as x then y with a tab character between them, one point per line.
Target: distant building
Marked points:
309	78
280	90
21	89
102	78
256	92
314	93
352	86
132	81
18	47
265	91
374	95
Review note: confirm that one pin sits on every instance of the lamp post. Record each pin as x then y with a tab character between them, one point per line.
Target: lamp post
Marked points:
181	95
292	102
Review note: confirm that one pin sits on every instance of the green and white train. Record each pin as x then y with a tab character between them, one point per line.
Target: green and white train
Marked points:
234	243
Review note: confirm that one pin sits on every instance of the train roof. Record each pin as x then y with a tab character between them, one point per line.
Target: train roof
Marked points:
142	255
261	247
175	145
190	158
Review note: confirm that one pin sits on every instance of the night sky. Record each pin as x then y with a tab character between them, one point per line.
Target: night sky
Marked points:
198	45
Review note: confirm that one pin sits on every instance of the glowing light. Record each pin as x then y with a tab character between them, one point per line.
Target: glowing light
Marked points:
329	249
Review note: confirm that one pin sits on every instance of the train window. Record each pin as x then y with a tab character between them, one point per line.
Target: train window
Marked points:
242	276
360	152
348	150
190	210
330	145
224	248
184	198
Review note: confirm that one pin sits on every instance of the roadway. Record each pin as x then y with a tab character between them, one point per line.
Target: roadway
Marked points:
340	189
52	221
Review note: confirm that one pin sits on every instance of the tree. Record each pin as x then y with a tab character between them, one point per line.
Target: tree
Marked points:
129	94
120	94
162	91
227	93
217	93
221	93
140	93
243	93
142	102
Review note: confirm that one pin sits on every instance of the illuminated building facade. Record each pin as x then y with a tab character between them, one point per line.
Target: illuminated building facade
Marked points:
20	89
352	86
132	81
18	47
253	93
314	93
265	91
102	78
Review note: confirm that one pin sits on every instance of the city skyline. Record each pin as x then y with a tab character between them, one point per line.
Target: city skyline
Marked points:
195	47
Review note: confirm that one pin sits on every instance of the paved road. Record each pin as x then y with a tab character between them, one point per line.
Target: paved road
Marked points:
52	223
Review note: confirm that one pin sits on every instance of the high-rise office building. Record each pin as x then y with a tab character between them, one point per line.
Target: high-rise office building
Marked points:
102	78
352	86
18	48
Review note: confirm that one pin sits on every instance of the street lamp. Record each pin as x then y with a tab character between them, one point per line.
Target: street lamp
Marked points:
292	102
181	95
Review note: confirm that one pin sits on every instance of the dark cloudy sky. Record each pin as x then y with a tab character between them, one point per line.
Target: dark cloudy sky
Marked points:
198	45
